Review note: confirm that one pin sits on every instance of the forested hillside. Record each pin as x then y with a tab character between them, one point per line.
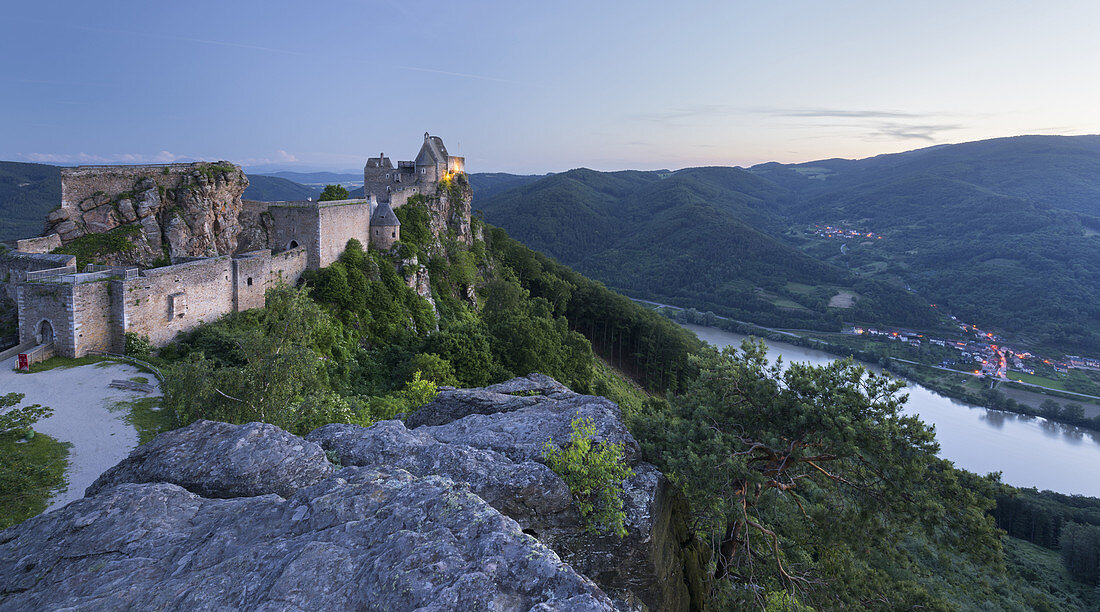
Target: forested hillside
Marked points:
701	237
1003	233
27	193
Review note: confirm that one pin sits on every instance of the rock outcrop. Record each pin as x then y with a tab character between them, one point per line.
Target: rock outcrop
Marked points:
214	459
181	210
451	510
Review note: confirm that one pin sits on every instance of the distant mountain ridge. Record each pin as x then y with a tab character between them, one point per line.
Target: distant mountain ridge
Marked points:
699	237
1003	232
275	189
315	178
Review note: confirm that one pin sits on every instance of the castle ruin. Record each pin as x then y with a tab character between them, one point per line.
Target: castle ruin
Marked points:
225	252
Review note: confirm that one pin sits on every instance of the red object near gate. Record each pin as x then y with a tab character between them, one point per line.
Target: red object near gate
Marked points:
23	362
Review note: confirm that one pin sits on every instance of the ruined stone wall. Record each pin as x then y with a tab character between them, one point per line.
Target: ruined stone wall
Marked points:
15	265
51	302
294	224
45	244
166	301
339	222
93	328
179	210
255	222
250	274
288	266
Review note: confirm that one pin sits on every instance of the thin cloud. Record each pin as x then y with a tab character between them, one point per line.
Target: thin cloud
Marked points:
876	124
926	133
159	157
834	113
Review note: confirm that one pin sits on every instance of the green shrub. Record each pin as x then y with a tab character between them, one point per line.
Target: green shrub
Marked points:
595	473
138	345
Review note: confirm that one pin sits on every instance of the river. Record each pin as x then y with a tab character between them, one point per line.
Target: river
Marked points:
1029	452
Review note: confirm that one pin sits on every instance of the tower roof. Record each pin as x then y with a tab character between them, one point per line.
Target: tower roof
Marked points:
379	162
433	151
384	217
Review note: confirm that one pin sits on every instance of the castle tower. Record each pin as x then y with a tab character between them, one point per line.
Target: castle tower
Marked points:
385	228
421	176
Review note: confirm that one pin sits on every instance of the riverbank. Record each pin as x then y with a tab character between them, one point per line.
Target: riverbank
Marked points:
1028	452
947	382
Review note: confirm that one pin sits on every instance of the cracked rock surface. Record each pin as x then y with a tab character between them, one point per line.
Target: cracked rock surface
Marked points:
450	510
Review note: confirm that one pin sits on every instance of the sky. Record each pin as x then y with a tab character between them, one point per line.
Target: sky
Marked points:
532	87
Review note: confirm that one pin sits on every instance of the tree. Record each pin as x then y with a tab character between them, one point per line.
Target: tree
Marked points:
333	192
18	420
1050	409
595	472
1081	552
785	466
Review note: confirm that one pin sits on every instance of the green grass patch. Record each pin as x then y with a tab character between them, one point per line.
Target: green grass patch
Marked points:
1042	569
1037	380
617	387
66	362
147	416
94	248
802	288
30	473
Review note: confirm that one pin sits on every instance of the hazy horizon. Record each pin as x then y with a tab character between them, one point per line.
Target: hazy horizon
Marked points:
534	89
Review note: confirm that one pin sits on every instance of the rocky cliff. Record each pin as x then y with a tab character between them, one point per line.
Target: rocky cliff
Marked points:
450	510
182	210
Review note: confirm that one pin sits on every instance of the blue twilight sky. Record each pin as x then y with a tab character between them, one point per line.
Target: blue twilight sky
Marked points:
524	86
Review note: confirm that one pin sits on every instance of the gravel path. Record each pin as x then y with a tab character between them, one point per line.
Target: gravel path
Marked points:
80	398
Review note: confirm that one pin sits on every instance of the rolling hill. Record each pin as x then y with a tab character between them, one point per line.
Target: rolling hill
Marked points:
1003	232
700	237
274	189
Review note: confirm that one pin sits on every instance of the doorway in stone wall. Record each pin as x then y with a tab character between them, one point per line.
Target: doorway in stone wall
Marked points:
45	332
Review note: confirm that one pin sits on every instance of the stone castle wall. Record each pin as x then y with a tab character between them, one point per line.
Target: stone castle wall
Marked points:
339	222
52	302
250	274
93	325
15	265
166	301
288	266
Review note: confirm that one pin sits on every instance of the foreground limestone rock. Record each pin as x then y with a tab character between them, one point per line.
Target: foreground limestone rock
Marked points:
456	515
221	460
493	439
361	540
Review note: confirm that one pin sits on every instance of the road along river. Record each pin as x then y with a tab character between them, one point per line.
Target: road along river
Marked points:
1029	452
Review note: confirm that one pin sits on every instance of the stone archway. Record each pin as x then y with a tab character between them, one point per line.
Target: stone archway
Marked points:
293	244
44	332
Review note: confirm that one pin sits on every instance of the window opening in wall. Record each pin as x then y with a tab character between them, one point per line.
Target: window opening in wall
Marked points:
249	281
393	234
293	245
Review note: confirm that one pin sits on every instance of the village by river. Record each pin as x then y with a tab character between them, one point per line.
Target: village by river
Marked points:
1029	452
